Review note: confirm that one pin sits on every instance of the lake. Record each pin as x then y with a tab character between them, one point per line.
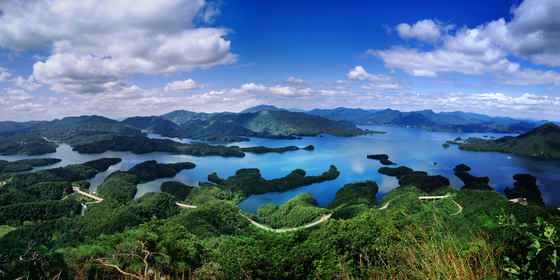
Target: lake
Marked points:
414	148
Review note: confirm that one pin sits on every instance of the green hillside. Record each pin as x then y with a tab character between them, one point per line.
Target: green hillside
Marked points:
151	124
543	141
301	124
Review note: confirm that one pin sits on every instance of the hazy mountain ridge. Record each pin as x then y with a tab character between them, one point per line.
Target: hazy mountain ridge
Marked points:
153	124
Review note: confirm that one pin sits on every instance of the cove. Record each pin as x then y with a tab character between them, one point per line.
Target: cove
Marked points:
414	148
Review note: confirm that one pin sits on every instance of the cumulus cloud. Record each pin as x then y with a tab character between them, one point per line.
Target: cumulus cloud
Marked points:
550	90
29	107
360	74
107	40
4	74
182	85
532	34
282	90
424	30
381	82
292	81
27	84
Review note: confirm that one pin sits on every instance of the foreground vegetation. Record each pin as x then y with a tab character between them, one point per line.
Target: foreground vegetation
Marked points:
473	233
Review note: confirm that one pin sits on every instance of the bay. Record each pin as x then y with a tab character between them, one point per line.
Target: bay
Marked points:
414	148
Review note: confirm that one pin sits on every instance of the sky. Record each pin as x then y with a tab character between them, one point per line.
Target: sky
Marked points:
143	57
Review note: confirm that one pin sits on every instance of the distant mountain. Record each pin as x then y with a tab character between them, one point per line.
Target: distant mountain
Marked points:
89	132
67	122
212	130
264	124
302	124
152	124
543	141
397	118
181	117
259	108
342	113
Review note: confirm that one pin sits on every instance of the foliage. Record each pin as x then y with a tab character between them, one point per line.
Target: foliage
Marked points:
176	189
472	182
384	159
250	181
25	164
144	145
211	219
89	132
118	186
538	249
525	187
420	179
70	173
208	191
17	213
263	149
151	124
296	212
353	199
151	170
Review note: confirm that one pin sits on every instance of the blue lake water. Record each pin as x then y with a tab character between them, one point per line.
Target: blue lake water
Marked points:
414	148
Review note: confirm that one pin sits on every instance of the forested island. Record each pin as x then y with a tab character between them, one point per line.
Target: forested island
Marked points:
543	141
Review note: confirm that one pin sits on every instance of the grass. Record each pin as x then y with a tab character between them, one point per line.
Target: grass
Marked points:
4	229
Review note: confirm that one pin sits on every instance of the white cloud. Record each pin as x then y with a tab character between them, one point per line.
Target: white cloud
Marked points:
19	94
254	88
387	28
550	90
27	84
532	34
108	40
385	86
182	85
360	74
29	107
4	74
282	90
424	30
293	80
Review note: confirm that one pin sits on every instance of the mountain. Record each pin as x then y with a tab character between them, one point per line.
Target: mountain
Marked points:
302	124
67	122
89	132
264	124
397	118
212	130
342	113
543	141
181	117
152	124
259	108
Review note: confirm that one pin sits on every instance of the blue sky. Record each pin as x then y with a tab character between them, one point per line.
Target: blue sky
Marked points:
140	58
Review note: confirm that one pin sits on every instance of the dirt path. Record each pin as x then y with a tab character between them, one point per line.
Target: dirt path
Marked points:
185	205
324	218
460	208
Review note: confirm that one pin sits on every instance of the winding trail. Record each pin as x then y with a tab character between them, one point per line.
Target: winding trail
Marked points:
460	208
185	205
324	218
